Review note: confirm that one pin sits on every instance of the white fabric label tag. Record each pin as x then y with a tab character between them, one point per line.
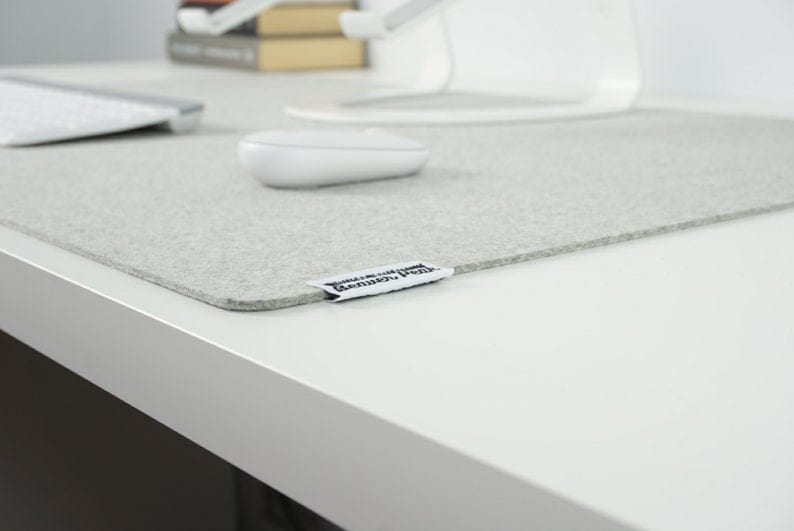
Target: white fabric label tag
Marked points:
380	280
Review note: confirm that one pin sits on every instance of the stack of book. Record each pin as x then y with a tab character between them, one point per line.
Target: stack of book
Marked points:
293	35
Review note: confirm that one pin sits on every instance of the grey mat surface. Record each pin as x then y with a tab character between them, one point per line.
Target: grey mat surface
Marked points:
178	210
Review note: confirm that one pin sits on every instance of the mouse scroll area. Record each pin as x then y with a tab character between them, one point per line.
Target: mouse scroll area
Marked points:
309	159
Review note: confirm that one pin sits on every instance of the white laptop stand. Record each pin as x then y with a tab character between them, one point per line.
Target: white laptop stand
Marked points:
616	89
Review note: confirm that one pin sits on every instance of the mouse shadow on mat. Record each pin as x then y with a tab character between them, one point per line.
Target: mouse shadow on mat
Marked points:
431	179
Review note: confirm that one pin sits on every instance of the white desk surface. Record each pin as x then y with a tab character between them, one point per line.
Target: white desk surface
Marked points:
657	390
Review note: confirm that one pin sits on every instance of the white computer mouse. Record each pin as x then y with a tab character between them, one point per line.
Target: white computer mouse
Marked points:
305	159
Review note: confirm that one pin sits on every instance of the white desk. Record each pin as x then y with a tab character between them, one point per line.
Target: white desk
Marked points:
658	392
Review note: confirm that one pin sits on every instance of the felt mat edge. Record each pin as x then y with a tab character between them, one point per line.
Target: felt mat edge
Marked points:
226	303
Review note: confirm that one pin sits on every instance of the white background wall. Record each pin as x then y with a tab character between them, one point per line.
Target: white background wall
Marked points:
47	31
741	48
710	47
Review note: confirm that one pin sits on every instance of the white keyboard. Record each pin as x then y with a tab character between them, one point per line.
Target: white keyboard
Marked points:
36	112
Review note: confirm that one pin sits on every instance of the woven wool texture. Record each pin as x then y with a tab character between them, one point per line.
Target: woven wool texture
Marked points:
179	211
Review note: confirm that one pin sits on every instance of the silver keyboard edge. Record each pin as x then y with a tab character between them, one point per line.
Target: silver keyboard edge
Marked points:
184	106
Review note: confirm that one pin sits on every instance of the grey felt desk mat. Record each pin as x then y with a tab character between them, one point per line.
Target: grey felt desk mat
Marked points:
178	210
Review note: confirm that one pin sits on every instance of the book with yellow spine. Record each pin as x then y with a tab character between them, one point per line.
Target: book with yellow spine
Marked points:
289	18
